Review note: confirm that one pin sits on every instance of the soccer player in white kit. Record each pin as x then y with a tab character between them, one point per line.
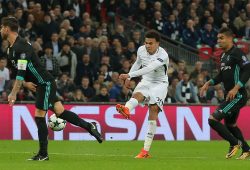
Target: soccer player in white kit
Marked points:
152	64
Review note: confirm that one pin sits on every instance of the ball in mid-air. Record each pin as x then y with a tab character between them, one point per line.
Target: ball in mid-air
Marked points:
56	124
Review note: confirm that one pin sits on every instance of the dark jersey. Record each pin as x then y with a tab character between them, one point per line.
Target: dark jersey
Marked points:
26	63
232	69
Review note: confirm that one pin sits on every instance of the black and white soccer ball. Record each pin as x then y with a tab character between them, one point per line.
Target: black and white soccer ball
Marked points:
56	124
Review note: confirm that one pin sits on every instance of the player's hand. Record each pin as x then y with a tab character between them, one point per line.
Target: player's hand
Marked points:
11	99
231	94
123	76
31	86
127	84
203	89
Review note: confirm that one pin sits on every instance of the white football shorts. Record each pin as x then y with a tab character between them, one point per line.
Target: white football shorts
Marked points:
154	92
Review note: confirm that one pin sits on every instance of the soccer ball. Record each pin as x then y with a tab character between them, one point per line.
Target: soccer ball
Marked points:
56	124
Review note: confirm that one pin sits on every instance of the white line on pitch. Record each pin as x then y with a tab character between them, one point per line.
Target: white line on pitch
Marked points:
71	154
106	155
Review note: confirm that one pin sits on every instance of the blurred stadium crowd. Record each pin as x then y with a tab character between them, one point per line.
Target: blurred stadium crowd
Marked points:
83	46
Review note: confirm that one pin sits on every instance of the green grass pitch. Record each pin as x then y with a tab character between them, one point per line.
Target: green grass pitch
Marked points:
79	155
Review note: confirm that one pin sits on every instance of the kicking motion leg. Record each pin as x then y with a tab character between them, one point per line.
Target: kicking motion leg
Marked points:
130	105
74	119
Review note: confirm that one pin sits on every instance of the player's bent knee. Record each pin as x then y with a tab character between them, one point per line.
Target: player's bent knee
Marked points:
211	117
212	122
139	96
58	108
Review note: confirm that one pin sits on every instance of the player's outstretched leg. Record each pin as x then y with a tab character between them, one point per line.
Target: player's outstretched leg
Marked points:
42	155
74	119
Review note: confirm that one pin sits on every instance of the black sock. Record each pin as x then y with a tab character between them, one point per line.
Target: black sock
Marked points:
42	135
223	131
74	119
237	133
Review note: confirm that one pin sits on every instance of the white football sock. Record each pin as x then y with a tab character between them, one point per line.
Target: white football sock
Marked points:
150	134
131	104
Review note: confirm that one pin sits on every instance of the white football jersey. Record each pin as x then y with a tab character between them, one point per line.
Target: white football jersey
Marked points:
154	67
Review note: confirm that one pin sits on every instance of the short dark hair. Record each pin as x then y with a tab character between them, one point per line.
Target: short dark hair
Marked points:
11	22
153	34
226	31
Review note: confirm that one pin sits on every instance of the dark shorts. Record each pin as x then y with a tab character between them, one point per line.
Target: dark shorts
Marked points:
229	110
46	96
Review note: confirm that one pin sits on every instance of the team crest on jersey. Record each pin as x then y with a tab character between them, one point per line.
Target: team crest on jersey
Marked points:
23	56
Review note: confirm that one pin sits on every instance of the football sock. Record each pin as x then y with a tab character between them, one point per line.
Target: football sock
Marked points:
74	119
42	135
131	104
150	134
223	131
237	133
